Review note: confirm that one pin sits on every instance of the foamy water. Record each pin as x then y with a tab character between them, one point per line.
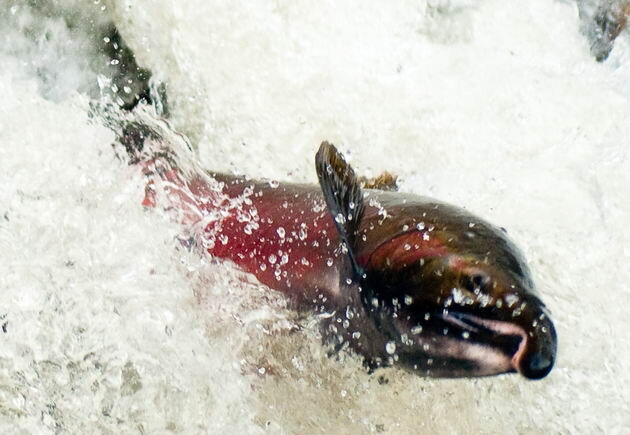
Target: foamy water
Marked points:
112	327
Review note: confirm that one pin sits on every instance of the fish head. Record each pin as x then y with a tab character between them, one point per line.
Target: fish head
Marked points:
447	296
457	303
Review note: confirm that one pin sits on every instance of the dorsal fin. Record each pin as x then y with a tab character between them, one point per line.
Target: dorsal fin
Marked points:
343	196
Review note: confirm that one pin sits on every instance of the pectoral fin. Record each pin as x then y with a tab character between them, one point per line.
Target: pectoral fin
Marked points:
343	195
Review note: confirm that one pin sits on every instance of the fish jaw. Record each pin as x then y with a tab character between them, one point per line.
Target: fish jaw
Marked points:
527	347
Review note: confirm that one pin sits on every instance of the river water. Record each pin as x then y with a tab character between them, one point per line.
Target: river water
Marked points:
110	326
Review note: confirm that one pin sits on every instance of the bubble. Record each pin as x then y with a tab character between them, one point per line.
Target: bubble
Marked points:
390	347
273	259
281	232
349	313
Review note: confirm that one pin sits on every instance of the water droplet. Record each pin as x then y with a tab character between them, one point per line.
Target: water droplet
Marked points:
420	226
329	262
407	246
263	267
416	330
274	184
340	218
115	62
356	335
343	393
273	259
408	300
346	323
390	347
281	232
348	281
465	335
262	370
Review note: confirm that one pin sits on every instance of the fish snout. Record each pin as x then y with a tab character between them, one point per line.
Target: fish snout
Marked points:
537	352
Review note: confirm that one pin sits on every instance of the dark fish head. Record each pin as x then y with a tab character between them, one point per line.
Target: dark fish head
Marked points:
459	302
448	296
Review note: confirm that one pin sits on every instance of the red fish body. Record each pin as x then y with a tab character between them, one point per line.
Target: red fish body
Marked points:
406	280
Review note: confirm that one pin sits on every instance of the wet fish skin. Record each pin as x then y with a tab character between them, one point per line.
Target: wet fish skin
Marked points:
411	282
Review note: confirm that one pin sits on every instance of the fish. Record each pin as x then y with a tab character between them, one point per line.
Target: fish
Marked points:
399	279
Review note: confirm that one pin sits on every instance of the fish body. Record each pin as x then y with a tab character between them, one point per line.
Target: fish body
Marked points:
401	279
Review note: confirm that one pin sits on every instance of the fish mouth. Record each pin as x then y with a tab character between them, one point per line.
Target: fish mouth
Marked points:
498	346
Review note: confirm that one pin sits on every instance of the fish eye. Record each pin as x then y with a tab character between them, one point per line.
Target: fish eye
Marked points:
476	282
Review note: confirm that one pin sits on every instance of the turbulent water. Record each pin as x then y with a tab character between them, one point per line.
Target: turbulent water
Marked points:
109	326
